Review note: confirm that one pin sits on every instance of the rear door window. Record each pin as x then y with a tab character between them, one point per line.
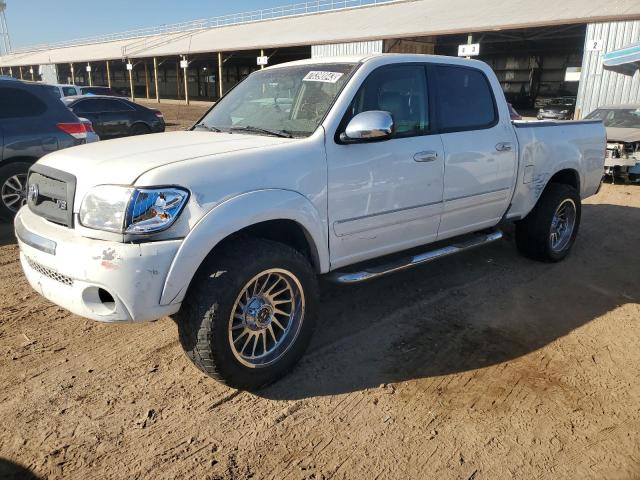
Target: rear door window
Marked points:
464	99
98	105
69	91
86	106
16	103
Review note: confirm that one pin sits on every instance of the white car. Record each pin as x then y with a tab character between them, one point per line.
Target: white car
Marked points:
341	163
65	90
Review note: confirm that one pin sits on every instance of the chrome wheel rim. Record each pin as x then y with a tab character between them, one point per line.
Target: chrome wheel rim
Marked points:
562	225
266	318
14	192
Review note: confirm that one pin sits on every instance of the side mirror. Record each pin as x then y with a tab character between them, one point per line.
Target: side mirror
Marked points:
371	126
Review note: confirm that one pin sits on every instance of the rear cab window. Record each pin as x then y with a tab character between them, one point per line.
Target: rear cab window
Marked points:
464	98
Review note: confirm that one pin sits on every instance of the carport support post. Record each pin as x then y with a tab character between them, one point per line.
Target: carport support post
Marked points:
33	78
186	83
89	73
146	78
133	97
73	75
20	72
262	55
108	75
178	78
219	75
469	40
155	78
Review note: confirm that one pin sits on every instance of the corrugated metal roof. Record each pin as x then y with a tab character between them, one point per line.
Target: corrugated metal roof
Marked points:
397	20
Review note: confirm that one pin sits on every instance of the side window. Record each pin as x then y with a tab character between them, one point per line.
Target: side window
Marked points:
86	106
110	106
400	90
69	91
16	103
120	105
100	105
464	99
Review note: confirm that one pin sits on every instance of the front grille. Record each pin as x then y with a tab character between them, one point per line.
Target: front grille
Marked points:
50	194
50	273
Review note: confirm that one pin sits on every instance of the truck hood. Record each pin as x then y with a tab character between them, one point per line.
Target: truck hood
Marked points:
123	160
624	135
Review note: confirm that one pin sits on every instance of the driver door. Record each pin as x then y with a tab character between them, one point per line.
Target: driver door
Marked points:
386	196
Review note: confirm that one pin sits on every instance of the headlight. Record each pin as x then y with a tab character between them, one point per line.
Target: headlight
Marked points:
564	111
132	210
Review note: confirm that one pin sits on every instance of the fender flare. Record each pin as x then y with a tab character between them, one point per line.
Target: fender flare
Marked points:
233	215
541	181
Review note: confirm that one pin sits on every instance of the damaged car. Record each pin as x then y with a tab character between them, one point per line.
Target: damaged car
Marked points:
623	140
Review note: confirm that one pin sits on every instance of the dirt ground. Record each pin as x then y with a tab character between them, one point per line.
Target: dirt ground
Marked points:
481	366
177	115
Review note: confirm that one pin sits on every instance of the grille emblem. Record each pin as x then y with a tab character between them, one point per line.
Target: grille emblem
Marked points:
34	192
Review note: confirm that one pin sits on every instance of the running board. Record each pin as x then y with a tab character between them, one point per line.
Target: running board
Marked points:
426	257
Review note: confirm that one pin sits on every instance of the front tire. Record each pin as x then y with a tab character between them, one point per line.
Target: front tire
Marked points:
249	313
549	231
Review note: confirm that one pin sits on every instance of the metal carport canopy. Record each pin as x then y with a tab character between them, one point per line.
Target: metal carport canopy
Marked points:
625	61
403	19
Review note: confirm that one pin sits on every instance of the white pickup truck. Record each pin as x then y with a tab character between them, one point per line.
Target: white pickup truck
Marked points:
320	167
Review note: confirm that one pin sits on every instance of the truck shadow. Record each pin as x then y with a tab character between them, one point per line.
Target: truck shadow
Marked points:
13	471
7	236
481	308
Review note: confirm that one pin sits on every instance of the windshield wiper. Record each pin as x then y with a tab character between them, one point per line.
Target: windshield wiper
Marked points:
275	133
208	127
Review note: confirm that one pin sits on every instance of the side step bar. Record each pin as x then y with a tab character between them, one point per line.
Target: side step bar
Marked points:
429	256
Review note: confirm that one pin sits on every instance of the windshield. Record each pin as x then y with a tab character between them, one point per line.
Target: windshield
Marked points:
617	117
287	100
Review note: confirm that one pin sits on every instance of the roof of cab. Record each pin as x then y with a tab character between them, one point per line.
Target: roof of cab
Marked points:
400	57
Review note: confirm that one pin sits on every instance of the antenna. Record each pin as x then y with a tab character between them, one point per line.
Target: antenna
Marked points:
5	40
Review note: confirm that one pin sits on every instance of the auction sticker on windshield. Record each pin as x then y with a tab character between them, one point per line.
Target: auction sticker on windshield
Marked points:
327	77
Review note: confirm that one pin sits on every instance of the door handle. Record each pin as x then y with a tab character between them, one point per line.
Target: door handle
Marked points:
504	147
429	156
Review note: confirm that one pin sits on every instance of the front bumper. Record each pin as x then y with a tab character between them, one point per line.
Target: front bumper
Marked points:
97	279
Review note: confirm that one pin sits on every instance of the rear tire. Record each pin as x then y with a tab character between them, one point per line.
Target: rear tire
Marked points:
549	231
230	303
13	188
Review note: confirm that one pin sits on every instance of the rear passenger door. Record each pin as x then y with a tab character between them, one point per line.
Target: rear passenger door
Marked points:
90	109
479	146
117	117
386	196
